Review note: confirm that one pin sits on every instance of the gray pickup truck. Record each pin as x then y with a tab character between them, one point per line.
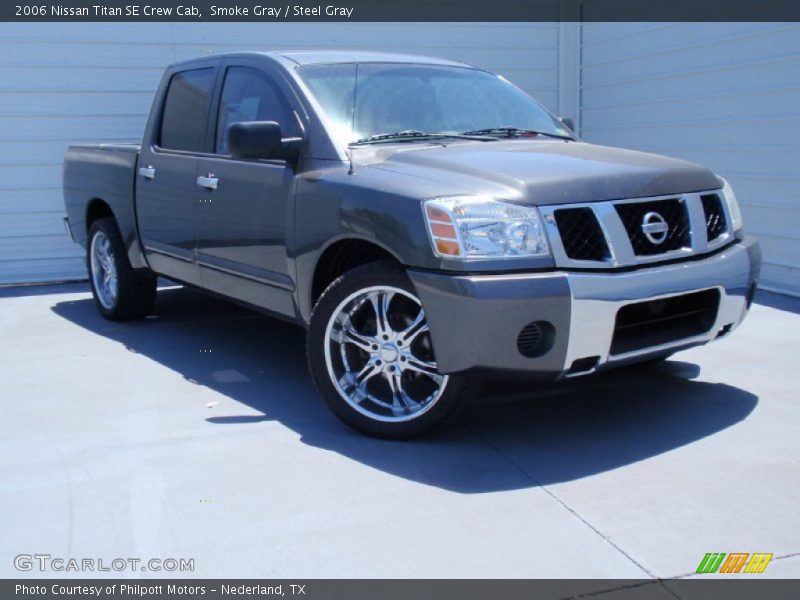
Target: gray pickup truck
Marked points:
425	220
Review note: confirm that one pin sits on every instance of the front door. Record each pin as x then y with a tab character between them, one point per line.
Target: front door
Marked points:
244	205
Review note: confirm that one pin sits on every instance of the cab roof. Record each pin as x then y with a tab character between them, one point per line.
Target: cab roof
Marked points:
310	57
290	58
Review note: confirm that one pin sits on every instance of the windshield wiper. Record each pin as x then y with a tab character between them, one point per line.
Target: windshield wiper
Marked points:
414	135
514	131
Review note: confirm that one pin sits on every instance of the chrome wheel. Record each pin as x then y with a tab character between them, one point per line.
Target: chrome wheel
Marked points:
379	356
104	270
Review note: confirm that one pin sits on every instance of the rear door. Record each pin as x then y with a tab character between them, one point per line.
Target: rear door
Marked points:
166	185
244	209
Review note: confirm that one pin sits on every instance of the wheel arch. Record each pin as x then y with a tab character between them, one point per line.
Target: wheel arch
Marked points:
97	208
342	254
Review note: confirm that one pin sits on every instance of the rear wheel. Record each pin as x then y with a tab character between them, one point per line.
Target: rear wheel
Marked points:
119	291
371	357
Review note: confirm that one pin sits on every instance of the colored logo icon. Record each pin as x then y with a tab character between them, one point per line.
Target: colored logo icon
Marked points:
734	562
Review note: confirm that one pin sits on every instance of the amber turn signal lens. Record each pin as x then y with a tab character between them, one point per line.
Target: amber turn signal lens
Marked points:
437	214
444	231
448	247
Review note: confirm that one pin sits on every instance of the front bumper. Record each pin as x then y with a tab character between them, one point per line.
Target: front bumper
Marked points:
475	320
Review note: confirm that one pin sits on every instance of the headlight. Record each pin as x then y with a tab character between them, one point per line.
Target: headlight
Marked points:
733	206
475	227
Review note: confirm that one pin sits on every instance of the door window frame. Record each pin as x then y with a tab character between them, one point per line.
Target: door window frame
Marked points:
155	147
275	77
221	66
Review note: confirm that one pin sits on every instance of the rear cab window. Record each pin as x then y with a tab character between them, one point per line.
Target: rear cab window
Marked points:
184	118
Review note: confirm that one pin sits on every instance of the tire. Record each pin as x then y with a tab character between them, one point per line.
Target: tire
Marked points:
120	292
379	375
653	362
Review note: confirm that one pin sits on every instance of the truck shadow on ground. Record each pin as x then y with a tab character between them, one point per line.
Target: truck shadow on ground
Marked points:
511	437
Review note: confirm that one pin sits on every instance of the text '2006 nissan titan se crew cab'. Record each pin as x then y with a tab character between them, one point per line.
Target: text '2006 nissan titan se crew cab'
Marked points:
425	220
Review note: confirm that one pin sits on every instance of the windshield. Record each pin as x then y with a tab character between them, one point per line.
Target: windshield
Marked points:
364	100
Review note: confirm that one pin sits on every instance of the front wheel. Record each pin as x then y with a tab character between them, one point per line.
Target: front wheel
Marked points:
371	357
119	291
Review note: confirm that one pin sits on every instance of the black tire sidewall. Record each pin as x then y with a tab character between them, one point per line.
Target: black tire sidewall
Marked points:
136	290
107	228
380	273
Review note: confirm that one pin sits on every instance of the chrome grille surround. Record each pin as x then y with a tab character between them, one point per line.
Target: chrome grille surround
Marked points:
620	247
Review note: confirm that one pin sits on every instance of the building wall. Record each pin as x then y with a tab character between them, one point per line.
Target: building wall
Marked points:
82	83
726	95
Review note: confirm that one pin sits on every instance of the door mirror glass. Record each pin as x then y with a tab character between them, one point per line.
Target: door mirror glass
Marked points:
569	123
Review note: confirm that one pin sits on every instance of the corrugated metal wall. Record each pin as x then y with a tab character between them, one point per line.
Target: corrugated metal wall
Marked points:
726	95
63	84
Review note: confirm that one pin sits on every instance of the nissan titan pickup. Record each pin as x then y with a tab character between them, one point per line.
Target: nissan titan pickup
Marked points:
426	221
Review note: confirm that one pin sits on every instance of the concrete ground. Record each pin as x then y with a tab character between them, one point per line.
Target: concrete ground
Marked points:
197	434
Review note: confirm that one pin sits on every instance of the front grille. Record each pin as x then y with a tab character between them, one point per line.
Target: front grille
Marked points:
715	217
672	210
647	324
581	234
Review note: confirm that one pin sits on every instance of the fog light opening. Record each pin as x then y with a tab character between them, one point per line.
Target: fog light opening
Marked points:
536	339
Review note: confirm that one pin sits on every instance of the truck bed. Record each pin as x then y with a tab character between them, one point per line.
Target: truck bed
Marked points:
103	172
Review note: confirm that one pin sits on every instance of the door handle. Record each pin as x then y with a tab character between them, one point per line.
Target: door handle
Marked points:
210	182
147	172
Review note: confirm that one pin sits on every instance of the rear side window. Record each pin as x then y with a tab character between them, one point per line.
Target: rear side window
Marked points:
249	95
183	124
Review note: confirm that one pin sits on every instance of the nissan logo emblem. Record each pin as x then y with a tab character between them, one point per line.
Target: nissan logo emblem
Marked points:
655	228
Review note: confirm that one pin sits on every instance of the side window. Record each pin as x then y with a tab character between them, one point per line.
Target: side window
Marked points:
249	95
183	123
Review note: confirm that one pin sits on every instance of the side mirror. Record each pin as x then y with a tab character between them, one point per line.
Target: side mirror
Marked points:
261	139
569	123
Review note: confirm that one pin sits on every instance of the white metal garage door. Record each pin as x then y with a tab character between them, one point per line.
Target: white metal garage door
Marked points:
726	95
82	83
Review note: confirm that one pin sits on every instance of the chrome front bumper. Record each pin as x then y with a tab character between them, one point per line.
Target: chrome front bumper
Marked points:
597	298
475	320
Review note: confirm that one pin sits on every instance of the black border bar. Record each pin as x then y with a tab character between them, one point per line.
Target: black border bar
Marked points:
402	10
718	587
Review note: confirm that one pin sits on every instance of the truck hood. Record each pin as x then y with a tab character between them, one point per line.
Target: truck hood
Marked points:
542	172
